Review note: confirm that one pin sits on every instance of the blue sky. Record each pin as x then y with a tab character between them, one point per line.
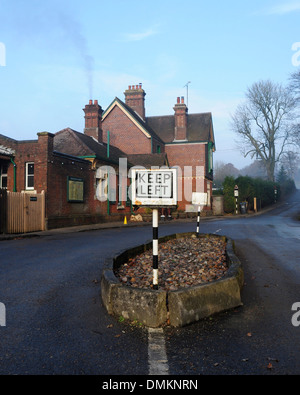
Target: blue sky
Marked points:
60	54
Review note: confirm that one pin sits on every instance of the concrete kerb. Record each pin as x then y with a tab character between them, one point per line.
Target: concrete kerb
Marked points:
177	308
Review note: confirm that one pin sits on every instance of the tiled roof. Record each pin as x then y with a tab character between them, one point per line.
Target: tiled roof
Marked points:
199	127
6	151
74	143
148	160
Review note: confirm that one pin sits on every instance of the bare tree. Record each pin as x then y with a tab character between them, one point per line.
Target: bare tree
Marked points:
295	84
294	88
222	170
290	162
263	123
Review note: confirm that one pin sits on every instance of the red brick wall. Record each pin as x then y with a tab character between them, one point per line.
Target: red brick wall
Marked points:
51	172
192	155
60	211
124	134
29	151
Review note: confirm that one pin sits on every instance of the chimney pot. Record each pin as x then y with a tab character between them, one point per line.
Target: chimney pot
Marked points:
96	102
182	99
91	102
178	100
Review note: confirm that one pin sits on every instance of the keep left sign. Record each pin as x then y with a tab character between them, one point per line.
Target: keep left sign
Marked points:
154	187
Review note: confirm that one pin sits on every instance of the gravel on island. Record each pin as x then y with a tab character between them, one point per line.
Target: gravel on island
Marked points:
183	262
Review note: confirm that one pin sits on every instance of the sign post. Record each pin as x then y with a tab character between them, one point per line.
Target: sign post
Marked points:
155	247
199	199
236	194
156	189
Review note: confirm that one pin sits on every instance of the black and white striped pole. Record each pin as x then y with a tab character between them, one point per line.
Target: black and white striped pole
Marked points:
198	219
236	194
155	247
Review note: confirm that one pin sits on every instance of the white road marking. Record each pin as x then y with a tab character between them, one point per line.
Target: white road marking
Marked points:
157	356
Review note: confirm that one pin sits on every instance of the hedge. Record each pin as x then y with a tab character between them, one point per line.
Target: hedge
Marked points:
249	188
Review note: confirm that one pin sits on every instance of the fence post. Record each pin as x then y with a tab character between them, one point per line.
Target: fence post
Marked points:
43	210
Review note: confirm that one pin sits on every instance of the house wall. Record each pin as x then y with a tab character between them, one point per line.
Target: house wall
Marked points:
184	156
62	212
51	171
124	134
29	151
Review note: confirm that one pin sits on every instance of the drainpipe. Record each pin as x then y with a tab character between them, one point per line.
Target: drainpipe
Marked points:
15	166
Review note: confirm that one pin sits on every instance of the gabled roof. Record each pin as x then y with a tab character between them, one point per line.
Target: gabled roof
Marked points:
199	127
134	116
162	128
71	142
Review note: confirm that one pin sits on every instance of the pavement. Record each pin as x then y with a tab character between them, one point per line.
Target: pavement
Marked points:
120	224
85	228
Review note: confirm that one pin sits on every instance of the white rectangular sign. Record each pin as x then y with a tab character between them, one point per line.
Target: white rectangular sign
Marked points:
199	198
157	187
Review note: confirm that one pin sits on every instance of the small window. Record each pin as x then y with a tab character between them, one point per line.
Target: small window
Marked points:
3	175
29	175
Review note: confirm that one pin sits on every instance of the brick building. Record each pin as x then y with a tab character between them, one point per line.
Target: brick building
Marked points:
186	140
80	172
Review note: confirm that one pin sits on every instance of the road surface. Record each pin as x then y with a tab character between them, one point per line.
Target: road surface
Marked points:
56	323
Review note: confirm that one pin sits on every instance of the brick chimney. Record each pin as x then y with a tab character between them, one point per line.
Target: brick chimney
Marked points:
180	120
93	120
135	98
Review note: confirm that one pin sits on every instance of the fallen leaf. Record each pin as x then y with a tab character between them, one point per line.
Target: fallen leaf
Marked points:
249	334
270	366
273	359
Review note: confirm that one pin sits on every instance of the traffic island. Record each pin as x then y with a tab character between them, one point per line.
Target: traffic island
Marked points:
156	308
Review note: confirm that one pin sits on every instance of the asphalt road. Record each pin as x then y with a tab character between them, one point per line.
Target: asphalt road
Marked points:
56	323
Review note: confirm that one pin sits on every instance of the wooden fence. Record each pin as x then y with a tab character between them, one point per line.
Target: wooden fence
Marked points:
24	212
3	209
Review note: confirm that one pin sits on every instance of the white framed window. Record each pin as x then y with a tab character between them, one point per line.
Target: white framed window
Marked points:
29	177
3	175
